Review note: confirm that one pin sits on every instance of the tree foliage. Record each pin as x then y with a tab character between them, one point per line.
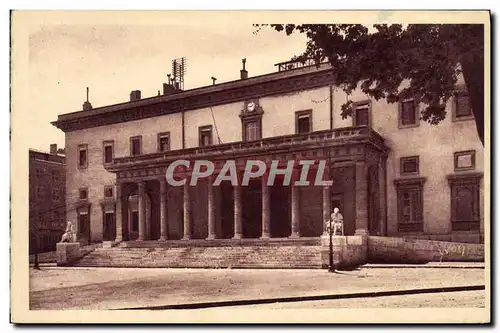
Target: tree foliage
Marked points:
379	59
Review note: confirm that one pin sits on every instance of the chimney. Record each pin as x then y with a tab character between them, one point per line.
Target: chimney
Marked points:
135	95
213	80
53	149
168	89
86	104
243	72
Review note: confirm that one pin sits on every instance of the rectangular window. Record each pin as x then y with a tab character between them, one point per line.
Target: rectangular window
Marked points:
408	113
303	121
362	116
83	194
251	131
39	173
82	156
461	107
409	165
40	192
410	204
108	191
55	176
163	142
55	194
465	160
135	145
205	135
108	149
465	212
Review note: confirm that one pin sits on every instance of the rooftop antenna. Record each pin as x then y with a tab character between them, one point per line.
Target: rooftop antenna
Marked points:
178	71
213	80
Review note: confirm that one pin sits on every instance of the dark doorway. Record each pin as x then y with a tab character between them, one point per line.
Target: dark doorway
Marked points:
84	227
109	226
252	209
134	225
227	210
280	209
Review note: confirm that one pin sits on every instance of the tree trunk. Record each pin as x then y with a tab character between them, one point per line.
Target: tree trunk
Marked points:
472	63
473	72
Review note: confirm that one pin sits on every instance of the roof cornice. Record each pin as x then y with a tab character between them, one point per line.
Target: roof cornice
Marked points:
260	86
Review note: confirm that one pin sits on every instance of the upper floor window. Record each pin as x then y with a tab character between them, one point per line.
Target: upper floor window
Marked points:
205	135
108	191
408	113
82	156
55	194
163	142
39	173
108	148
252	129
40	192
409	165
461	106
135	145
83	193
361	113
303	121
55	176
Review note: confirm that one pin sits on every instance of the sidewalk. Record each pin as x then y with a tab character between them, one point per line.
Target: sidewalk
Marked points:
118	288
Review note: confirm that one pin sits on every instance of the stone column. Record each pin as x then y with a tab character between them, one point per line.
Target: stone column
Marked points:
361	199
266	209
382	179
163	209
118	213
142	210
295	212
211	209
187	211
237	212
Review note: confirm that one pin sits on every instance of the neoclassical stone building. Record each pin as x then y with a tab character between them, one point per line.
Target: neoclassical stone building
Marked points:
392	173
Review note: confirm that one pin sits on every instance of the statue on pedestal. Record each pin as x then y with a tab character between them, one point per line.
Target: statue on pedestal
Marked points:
69	236
336	222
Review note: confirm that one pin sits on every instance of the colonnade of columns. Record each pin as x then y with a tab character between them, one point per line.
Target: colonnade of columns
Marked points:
361	217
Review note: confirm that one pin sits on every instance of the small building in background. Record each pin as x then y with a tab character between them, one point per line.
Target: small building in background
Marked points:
47	204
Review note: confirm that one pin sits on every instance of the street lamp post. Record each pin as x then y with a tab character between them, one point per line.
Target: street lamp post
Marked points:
331	267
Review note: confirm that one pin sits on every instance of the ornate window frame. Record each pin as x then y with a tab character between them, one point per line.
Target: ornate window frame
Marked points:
415	184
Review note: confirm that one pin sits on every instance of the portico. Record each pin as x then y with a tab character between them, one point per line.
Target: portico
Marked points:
355	158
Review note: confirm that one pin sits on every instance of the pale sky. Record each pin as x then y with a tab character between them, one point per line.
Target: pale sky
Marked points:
113	59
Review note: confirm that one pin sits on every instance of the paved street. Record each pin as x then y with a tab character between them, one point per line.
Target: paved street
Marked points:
112	288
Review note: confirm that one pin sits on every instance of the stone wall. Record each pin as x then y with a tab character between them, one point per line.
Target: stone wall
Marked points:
407	250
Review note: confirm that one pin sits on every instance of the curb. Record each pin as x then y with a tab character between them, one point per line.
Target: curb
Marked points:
447	265
203	305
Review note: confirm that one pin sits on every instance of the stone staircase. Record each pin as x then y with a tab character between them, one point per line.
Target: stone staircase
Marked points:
272	255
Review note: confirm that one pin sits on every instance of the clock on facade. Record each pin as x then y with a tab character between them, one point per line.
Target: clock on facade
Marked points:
251	107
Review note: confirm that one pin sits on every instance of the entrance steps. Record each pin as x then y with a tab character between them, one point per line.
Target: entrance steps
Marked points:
211	254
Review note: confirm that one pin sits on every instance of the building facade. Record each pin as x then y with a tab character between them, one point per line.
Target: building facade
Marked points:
392	174
47	192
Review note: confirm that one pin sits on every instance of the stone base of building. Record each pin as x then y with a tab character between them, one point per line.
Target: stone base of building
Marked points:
411	250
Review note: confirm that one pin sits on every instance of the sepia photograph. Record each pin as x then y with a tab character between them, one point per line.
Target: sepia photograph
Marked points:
223	167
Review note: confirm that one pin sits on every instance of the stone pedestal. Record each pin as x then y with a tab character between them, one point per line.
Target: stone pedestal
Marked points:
348	251
67	253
